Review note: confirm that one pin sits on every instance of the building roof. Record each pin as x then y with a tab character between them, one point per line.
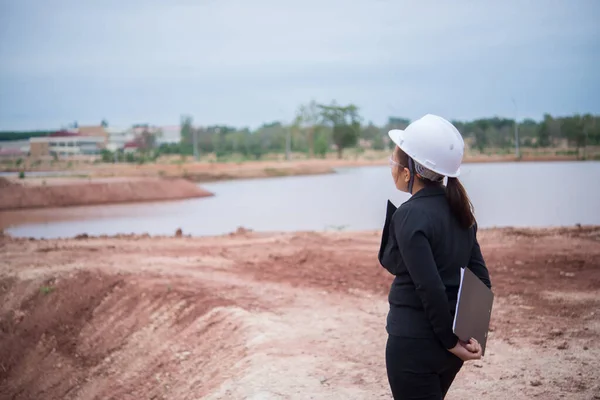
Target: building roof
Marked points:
131	145
113	130
92	130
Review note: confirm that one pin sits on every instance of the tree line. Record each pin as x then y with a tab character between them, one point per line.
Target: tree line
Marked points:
320	128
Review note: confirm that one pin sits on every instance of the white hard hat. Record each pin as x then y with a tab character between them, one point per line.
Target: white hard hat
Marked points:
433	142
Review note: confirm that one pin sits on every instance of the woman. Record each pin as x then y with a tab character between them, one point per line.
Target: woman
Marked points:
425	243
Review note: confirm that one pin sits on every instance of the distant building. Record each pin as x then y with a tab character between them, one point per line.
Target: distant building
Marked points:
131	147
39	149
65	144
118	138
169	134
14	149
12	154
95	131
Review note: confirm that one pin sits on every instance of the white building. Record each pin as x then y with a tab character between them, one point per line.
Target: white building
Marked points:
64	146
169	134
118	137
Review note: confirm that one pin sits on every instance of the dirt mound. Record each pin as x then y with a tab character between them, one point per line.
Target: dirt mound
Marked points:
78	193
4	183
93	335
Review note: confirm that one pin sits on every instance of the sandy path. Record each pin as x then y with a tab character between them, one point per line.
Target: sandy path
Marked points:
277	316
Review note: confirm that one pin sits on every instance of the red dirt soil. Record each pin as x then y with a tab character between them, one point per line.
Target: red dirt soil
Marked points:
271	316
73	192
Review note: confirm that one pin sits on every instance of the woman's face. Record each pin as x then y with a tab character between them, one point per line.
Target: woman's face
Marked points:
400	173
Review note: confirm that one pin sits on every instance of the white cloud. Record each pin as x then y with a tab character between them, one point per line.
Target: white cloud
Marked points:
236	60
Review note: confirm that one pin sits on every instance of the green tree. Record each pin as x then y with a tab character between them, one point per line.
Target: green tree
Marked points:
272	136
107	156
479	129
378	143
307	118
13	135
321	143
370	132
544	131
147	139
573	128
254	147
186	129
481	140
345	123
528	131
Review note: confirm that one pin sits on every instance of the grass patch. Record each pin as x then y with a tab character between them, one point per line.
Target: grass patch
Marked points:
566	153
47	289
276	172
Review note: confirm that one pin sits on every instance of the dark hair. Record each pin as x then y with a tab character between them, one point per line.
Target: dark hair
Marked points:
458	199
401	156
460	204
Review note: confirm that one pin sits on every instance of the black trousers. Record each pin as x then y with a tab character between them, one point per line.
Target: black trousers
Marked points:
419	368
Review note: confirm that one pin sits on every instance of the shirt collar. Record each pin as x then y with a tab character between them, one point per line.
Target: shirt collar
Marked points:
437	190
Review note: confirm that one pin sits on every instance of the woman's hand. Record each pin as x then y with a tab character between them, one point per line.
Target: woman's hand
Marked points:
472	345
467	351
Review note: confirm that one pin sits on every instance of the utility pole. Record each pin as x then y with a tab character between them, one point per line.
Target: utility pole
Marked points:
517	151
288	143
288	136
586	125
195	142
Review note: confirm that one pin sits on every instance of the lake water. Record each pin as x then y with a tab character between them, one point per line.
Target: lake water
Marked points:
511	194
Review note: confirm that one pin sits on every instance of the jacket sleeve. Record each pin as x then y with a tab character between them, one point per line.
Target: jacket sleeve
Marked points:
412	229
477	263
385	248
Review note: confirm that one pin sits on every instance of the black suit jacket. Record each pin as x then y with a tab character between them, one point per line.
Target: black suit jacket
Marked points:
424	247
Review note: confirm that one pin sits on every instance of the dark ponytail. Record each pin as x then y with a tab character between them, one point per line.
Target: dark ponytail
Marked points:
460	204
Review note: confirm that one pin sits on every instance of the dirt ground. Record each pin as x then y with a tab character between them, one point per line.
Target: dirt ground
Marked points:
63	192
277	316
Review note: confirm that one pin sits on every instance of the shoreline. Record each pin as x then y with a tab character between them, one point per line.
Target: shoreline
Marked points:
567	230
220	171
68	192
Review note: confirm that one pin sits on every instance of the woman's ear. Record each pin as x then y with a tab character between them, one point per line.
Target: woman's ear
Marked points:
406	175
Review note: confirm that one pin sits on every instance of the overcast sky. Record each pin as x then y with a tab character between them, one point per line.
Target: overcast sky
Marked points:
245	62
